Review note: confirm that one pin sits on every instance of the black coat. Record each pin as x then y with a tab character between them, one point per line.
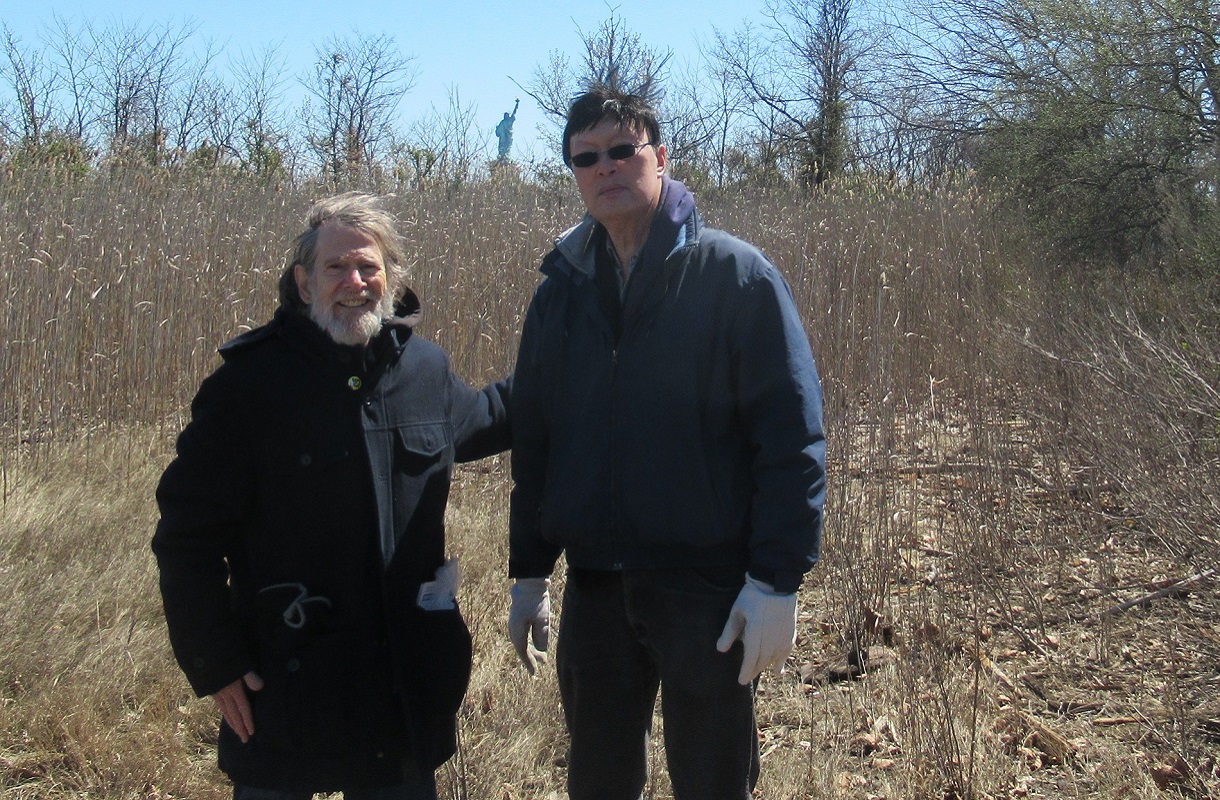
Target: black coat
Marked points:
303	511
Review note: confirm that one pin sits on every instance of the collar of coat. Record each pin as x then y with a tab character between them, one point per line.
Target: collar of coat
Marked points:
675	225
296	327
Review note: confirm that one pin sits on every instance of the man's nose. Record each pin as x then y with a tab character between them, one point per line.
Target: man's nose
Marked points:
353	277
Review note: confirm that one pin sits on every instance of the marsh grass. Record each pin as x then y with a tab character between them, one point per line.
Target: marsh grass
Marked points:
1010	455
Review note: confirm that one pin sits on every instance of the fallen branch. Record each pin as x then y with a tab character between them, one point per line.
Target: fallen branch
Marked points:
999	675
949	468
1042	736
955	468
1162	592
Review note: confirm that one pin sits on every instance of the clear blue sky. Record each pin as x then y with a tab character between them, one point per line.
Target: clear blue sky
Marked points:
476	46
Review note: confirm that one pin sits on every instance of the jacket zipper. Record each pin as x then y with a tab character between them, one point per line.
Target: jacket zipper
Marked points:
614	467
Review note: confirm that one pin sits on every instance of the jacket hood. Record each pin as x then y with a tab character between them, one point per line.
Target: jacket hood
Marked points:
408	311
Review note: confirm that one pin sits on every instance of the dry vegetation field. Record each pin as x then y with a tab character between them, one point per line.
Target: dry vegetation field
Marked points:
1015	451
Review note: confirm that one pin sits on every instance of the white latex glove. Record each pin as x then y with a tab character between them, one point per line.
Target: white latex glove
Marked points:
529	620
765	621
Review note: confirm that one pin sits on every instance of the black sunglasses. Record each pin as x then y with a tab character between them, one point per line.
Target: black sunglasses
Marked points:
620	152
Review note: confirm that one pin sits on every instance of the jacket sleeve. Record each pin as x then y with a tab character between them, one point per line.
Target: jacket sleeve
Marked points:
780	398
481	421
203	497
530	555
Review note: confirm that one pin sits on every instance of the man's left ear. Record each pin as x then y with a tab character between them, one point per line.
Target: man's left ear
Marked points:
302	276
662	159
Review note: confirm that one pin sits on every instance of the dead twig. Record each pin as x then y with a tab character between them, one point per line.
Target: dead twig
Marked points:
1162	592
952	468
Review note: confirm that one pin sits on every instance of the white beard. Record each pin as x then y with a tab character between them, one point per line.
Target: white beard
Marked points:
354	331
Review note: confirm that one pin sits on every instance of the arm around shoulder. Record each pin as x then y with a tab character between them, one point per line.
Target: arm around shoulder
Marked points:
482	421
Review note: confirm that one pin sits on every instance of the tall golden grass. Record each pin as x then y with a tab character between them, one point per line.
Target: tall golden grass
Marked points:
1012	452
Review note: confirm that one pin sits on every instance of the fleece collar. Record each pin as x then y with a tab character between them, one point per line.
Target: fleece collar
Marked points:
674	225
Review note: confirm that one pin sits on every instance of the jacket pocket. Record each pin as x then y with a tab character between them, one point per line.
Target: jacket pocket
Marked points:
420	447
321	676
434	652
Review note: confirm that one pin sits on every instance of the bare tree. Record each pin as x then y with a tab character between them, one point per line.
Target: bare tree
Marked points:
134	70
198	106
612	53
263	141
742	62
799	73
356	86
445	146
34	84
688	120
1102	117
819	34
214	129
74	53
725	106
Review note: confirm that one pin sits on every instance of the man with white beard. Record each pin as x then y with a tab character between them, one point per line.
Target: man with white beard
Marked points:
301	544
347	296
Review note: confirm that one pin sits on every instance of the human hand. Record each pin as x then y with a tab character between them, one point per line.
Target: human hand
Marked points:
529	620
765	621
234	704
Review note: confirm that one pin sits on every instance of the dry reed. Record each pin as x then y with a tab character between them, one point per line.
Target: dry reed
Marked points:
1009	456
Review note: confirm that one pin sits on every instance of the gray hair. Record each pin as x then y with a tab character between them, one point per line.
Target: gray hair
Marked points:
358	210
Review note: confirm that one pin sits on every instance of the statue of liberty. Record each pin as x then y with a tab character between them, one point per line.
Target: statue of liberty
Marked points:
504	131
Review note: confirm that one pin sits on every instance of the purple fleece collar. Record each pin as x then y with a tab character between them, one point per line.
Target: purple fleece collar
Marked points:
677	202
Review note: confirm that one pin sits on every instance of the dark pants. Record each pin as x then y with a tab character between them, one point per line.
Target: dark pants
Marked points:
416	789
622	635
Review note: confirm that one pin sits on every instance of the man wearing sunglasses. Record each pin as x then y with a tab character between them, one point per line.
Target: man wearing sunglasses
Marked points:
667	438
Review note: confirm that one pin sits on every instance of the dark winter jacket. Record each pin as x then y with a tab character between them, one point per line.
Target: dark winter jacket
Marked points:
303	511
677	426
